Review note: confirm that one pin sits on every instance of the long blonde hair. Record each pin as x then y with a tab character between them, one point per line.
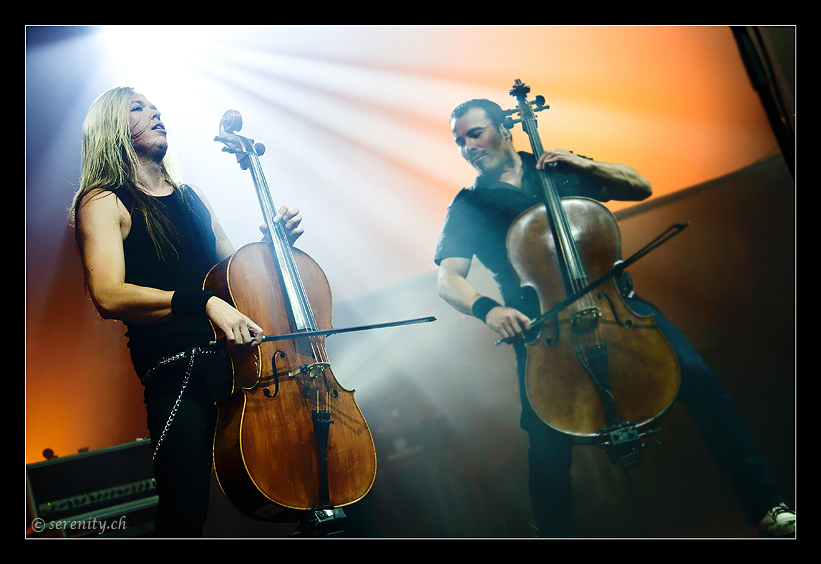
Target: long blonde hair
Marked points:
109	163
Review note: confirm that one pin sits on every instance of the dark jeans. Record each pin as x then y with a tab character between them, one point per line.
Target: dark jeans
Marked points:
715	415
182	467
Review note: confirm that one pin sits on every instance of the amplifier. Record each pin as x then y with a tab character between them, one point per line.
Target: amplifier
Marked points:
106	492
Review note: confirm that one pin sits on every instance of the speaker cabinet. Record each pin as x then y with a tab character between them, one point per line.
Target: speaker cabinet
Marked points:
108	492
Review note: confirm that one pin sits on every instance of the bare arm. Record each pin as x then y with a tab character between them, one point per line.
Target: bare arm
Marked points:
619	182
461	295
100	228
453	285
100	224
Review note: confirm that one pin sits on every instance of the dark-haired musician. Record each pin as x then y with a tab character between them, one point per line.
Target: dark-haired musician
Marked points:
476	226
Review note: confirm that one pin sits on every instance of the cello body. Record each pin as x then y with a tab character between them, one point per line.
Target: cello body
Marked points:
265	447
595	367
290	438
641	366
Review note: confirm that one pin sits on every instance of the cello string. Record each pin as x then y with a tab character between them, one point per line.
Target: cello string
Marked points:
292	273
577	277
289	269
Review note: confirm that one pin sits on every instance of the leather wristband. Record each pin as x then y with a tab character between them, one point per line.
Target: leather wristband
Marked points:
189	303
482	307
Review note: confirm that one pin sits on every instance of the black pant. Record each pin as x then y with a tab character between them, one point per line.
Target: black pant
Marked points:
715	415
182	466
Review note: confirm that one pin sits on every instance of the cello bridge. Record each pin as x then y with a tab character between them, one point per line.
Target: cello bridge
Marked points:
311	370
585	318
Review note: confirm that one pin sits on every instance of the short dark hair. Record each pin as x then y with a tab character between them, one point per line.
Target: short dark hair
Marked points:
492	110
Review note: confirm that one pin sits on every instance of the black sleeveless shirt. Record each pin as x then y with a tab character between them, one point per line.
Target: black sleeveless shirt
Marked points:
195	255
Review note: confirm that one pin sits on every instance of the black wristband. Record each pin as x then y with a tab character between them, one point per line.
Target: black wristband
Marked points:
189	303
482	307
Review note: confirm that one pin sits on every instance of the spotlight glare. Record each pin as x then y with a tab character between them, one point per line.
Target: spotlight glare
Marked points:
147	55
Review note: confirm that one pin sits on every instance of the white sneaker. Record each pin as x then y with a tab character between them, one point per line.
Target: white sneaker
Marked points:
779	521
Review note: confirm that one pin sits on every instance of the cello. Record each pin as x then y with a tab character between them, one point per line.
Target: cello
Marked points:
595	370
290	439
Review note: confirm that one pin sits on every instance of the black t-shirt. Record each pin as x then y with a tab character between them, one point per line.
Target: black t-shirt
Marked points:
479	217
187	268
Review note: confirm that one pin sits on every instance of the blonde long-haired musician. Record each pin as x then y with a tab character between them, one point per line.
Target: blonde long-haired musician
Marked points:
147	242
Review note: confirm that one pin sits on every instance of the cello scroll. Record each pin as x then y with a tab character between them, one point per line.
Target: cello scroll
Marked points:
237	145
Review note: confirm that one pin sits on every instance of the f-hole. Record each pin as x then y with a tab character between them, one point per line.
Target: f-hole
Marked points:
267	391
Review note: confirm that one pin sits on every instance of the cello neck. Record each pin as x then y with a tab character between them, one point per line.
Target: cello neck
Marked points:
281	248
549	193
247	154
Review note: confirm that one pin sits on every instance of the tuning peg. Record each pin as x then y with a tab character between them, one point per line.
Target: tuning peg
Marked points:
509	122
539	103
